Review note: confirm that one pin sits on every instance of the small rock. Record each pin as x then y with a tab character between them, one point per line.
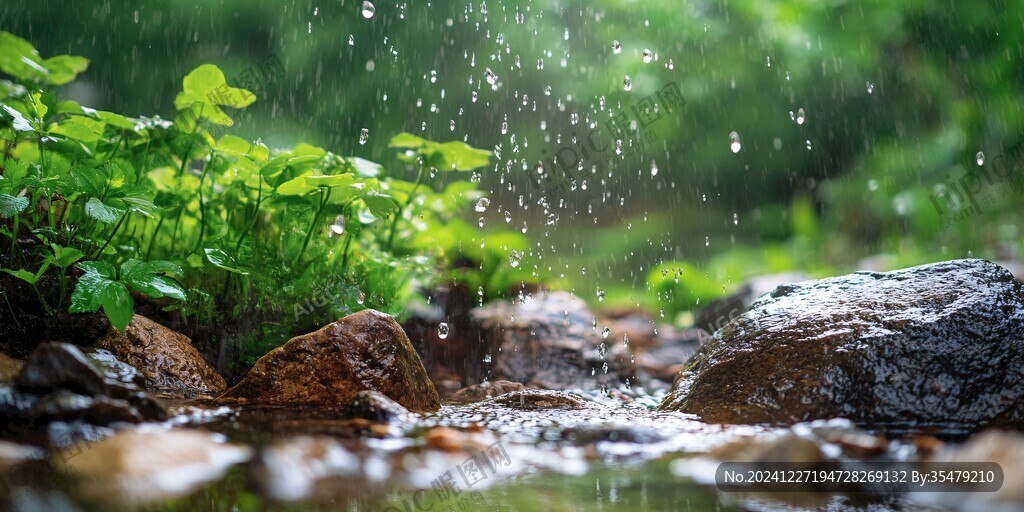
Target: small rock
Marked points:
9	368
934	346
548	340
132	468
290	470
673	347
166	359
60	366
607	432
532	399
365	351
783	448
1003	448
373	406
484	390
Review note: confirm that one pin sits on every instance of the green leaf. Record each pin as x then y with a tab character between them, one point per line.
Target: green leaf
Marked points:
101	211
381	205
64	257
207	88
296	187
221	259
101	268
462	157
18	120
146	277
364	168
22	274
19	58
408	140
337	180
80	128
115	120
11	206
64	68
117	304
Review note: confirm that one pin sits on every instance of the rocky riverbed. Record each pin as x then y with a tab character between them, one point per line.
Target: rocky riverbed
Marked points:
570	409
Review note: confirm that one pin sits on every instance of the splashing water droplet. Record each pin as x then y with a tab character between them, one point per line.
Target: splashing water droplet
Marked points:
616	47
513	258
980	158
443	330
364	134
627	84
482	204
368	10
490	77
734	142
647	56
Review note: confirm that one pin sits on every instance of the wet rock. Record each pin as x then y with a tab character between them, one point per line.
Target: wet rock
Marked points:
532	399
613	433
167	360
60	366
373	406
1003	448
549	341
781	448
133	468
673	347
484	390
9	368
64	405
934	346
720	312
291	469
365	351
851	441
635	324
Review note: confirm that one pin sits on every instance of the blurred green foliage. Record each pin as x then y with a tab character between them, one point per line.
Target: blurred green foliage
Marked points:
897	99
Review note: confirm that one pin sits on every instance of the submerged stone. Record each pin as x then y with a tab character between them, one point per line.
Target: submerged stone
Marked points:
166	359
539	399
934	346
374	406
484	390
365	351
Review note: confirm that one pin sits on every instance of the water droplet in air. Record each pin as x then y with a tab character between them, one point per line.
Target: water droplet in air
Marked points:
605	332
800	116
808	144
647	56
735	219
482	204
654	168
627	84
616	47
368	10
351	40
443	330
513	258
508	216
364	134
871	87
361	298
338	226
490	77
487	358
433	76
734	144
980	158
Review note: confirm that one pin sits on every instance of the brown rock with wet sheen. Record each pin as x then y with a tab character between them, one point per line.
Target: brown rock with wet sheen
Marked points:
365	351
939	345
166	359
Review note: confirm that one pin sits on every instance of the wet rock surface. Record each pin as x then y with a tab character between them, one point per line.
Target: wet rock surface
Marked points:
9	368
167	360
934	346
720	312
58	383
549	341
483	391
134	467
532	399
374	406
365	351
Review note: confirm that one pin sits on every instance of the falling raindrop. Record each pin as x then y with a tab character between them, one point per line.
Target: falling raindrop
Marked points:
616	47
734	144
433	76
351	40
627	84
508	216
513	258
443	330
490	77
338	226
482	204
487	358
800	116
654	168
808	144
647	56
980	158
871	87
368	9
735	218
364	134
605	332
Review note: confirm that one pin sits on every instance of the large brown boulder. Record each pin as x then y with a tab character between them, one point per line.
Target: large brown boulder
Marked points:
365	351
934	346
166	359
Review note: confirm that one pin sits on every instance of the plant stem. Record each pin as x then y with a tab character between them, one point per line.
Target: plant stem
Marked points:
112	233
312	226
202	207
255	217
401	210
